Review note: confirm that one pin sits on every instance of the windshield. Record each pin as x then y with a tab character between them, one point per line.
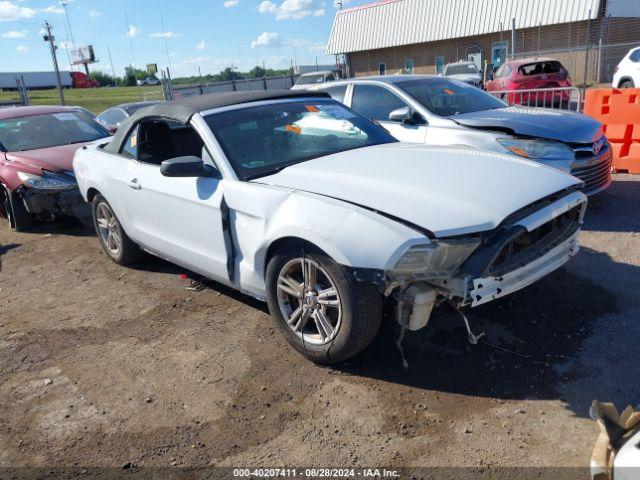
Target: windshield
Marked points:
309	79
263	140
461	69
447	97
48	130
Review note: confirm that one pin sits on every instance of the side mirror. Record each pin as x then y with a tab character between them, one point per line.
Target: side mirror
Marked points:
400	115
189	166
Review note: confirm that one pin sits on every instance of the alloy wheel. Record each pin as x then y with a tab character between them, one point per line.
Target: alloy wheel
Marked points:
309	301
108	229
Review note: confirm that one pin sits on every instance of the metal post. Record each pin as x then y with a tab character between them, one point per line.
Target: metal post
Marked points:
50	38
586	52
513	38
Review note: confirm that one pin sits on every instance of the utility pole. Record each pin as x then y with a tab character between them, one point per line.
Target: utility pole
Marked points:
51	39
113	70
166	45
64	4
133	56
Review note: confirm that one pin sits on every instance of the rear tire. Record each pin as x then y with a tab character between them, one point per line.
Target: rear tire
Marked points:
326	327
115	242
627	84
19	219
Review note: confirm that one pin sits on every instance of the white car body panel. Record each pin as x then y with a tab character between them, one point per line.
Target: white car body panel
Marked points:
627	69
391	193
626	465
456	196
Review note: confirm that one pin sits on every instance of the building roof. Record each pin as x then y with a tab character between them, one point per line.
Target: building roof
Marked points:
392	23
15	112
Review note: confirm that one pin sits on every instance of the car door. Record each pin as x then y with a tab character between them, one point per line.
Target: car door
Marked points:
377	102
179	219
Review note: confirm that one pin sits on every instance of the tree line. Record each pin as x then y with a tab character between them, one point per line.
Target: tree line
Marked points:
226	75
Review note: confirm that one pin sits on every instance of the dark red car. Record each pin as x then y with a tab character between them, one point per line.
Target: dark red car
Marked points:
528	74
37	145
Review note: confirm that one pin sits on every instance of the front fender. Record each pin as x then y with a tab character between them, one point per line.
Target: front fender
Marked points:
351	235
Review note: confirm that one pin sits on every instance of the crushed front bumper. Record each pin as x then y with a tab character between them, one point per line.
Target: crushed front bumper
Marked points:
55	202
490	288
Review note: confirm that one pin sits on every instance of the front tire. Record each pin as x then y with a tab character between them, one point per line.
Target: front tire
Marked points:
627	84
115	242
19	219
324	313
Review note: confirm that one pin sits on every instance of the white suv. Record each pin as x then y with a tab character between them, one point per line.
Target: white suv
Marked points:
627	73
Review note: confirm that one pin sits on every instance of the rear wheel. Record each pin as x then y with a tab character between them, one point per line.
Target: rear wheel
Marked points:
115	242
324	313
15	211
627	84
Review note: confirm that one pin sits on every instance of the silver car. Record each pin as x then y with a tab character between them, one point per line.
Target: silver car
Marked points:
466	72
443	111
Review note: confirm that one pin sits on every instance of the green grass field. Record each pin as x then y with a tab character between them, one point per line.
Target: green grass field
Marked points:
93	99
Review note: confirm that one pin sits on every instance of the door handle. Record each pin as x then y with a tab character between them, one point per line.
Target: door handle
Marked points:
134	184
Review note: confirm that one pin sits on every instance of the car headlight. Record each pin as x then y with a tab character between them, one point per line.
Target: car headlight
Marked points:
45	182
440	258
536	149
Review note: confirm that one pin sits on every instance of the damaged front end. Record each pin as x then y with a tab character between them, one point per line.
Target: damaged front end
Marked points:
51	195
476	269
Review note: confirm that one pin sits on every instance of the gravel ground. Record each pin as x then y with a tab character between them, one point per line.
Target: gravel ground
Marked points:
103	366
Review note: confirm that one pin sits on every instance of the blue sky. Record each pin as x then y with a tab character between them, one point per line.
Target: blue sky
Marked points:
211	34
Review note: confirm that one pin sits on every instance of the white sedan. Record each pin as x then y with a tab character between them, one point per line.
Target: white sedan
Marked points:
295	199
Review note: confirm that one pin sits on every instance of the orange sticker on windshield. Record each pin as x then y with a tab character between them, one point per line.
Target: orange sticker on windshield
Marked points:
311	108
449	92
293	129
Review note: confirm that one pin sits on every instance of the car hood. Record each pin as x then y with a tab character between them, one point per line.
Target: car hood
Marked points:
449	191
54	159
548	123
466	77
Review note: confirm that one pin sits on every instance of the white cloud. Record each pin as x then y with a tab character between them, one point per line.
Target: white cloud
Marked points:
15	34
196	60
22	48
292	9
319	46
94	13
133	31
57	9
201	45
231	3
165	35
10	12
65	45
267	39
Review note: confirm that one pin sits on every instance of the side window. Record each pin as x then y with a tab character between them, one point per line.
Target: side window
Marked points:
160	140
375	102
337	93
635	56
130	146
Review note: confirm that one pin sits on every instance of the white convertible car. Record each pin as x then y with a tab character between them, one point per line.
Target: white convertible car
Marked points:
295	199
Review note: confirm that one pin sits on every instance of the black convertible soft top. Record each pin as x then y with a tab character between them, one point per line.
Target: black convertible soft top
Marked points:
182	110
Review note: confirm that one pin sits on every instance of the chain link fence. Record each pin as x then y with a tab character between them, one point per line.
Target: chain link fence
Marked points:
590	50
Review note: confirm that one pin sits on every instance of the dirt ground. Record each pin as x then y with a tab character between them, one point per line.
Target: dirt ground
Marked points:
105	366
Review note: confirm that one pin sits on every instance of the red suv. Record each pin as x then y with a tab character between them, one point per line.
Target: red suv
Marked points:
528	74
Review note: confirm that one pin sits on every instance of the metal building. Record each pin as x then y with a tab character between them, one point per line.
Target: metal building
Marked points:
421	36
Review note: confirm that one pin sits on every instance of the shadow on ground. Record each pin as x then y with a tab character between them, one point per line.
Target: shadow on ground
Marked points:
604	213
533	345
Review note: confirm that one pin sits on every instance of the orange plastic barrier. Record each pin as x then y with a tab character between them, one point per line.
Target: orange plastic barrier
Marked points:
619	112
